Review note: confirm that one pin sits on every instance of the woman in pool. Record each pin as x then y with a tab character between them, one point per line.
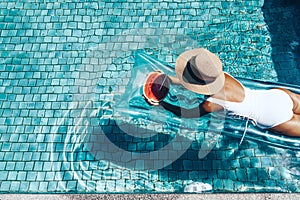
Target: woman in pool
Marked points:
200	71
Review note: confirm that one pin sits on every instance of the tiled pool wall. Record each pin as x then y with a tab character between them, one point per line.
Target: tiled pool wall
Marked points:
56	57
283	19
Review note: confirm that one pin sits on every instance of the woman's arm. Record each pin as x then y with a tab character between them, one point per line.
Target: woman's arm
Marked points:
186	113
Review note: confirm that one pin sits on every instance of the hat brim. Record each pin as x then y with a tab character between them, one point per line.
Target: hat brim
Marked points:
207	89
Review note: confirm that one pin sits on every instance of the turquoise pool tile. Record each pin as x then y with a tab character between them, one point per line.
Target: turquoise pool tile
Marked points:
67	176
11	130
18	156
2	122
52	186
12	175
222	174
31	176
23	137
36	154
266	162
6	147
274	174
56	166
262	174
43	186
281	183
228	185
207	165
29	129
203	174
291	187
65	166
15	185
252	174
72	185
50	176
24	147
58	176
34	186
270	183
255	162
45	156
241	174
3	97
29	165
27	154
238	185
6	111
47	165
245	162
40	176
15	105
192	175
184	175
2	165
218	184
235	163
19	166
217	164
5	186
9	121
38	166
21	176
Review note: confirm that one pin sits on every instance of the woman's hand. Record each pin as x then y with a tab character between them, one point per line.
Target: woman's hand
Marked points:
151	103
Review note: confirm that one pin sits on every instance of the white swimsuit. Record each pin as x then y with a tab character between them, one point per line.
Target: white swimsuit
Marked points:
266	108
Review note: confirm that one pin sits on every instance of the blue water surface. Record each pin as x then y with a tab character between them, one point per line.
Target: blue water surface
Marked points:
64	65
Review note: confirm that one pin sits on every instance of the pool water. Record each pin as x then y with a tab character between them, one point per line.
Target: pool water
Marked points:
64	66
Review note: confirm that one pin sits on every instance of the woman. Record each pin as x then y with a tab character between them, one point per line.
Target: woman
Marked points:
200	71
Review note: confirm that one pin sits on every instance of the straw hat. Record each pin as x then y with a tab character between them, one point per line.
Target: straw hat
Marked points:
200	71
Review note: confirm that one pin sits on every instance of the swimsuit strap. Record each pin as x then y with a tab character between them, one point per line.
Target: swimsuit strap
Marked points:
218	101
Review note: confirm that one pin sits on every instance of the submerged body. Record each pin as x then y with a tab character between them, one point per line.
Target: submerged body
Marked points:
258	105
276	109
200	71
